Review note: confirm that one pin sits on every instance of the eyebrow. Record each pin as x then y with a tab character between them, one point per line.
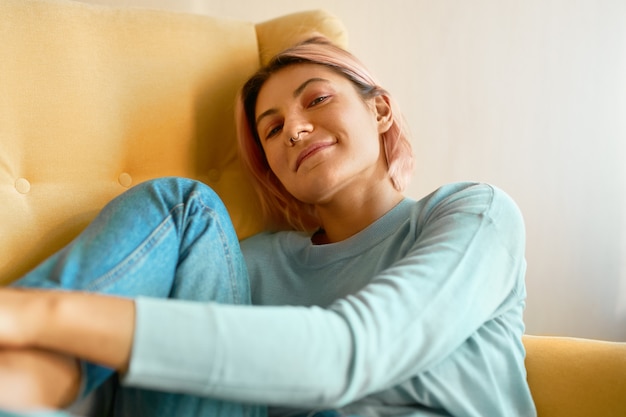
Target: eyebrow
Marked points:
296	93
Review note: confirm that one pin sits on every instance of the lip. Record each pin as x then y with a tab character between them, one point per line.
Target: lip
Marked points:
311	150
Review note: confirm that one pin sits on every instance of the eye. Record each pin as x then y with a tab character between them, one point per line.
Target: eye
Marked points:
273	131
318	100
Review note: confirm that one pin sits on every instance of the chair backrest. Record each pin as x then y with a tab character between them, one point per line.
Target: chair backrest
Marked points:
94	100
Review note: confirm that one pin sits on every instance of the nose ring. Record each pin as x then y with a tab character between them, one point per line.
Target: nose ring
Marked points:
296	139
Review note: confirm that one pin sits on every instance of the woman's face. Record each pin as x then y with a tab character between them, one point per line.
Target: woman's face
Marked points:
338	133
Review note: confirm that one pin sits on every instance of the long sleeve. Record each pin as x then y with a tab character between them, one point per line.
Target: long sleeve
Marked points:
467	262
462	268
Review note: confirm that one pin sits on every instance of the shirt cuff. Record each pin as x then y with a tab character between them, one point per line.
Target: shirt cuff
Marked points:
171	347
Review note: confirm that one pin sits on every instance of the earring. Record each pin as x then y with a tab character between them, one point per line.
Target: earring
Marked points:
296	139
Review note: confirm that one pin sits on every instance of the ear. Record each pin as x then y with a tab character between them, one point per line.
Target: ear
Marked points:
384	115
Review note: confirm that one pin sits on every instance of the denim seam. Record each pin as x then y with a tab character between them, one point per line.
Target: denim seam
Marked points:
215	218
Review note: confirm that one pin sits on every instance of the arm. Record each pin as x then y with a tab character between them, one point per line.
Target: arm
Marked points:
93	327
467	260
464	269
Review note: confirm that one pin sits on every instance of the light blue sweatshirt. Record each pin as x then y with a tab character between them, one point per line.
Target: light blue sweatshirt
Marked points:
420	314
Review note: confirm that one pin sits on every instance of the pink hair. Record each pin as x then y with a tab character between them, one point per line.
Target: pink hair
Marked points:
280	208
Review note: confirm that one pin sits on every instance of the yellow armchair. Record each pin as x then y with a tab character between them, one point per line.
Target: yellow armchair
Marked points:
94	100
572	377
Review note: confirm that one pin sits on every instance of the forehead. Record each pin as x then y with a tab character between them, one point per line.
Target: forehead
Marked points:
284	83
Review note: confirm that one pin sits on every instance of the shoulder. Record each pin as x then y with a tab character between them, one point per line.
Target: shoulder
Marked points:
470	198
471	204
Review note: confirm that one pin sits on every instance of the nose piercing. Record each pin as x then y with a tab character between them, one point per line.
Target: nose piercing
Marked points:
296	139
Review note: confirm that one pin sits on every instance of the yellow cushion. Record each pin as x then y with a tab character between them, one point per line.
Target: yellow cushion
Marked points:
277	34
95	99
571	377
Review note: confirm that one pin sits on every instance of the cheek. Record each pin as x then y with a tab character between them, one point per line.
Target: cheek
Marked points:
275	159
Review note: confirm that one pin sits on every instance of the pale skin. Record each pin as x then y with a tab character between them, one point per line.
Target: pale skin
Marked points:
338	165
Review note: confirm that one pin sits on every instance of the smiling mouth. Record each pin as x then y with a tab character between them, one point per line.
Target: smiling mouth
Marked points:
310	151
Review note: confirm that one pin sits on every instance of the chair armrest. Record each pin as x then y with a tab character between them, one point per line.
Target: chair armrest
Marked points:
576	377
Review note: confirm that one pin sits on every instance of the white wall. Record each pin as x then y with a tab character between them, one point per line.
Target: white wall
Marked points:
528	95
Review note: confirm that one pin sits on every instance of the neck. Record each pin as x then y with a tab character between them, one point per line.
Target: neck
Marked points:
345	217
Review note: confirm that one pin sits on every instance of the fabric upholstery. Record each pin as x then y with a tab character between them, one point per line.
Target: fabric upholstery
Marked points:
94	100
572	377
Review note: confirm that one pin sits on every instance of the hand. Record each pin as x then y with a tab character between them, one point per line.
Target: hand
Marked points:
35	379
89	326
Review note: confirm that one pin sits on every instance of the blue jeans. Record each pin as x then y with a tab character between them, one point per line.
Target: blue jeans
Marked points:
166	238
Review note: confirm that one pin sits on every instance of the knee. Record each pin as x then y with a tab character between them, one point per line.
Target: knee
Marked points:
167	192
178	188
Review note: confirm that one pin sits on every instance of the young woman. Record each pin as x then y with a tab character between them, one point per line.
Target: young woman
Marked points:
370	304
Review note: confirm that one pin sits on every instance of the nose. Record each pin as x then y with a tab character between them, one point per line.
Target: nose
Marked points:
296	129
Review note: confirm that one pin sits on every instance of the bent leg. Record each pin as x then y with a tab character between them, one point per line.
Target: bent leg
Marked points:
167	238
146	240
